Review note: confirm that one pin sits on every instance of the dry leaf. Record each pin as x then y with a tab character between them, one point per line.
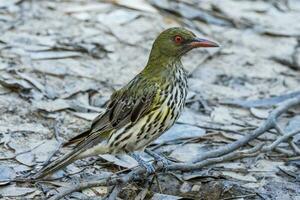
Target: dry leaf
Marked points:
141	5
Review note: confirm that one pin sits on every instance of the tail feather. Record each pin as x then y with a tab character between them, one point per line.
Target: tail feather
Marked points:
57	164
85	149
87	144
64	160
77	138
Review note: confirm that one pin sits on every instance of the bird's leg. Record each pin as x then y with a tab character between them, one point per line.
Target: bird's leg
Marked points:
159	158
149	167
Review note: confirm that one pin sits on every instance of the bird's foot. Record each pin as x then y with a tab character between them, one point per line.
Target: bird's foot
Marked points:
148	166
158	158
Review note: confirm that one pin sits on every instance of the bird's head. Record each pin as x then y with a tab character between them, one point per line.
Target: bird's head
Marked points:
177	41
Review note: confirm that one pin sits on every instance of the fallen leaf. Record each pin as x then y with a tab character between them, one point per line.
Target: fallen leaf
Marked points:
222	115
260	113
26	159
261	102
180	131
15	85
42	152
14	191
46	55
117	17
158	196
63	104
122	160
137	5
34	82
240	176
267	166
188	152
294	124
5	4
23	127
254	185
86	116
85	8
95	191
6	173
191	12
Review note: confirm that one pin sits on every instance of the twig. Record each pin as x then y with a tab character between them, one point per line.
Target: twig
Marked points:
138	172
58	147
290	139
261	102
158	184
58	139
239	197
23	152
295	148
280	140
291	174
115	191
284	151
214	128
267	125
142	194
230	156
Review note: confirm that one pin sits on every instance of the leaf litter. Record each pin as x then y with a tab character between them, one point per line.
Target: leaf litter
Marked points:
68	67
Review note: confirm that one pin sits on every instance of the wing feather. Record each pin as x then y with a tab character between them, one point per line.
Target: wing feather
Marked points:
124	107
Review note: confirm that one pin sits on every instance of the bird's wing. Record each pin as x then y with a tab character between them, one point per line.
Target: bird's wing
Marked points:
126	106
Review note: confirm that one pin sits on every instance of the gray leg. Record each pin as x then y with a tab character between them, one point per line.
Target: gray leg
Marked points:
149	167
158	158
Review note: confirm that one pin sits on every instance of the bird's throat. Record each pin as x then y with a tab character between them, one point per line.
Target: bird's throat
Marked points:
160	63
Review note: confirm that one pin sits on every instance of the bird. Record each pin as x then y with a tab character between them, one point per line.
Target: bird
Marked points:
142	110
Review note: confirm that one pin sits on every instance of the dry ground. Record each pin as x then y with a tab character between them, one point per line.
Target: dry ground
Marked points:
61	60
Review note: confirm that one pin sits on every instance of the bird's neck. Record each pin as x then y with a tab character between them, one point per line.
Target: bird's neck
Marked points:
159	64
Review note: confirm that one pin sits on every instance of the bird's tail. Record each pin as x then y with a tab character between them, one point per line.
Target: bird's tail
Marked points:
56	165
89	144
78	152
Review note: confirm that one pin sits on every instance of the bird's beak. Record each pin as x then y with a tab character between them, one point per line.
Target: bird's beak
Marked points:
198	42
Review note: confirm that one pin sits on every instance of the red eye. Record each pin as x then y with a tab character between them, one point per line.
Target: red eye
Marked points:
178	39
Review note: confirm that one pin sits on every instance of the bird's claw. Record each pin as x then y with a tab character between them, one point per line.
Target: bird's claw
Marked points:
158	158
148	166
165	162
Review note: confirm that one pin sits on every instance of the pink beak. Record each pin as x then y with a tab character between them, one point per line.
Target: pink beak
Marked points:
197	42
